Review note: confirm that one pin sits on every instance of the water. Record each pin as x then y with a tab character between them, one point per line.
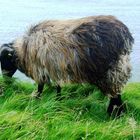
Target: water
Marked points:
17	16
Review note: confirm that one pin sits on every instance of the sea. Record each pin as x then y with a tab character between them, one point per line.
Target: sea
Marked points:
16	16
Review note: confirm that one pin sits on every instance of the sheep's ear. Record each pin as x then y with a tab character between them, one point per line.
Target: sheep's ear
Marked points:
10	54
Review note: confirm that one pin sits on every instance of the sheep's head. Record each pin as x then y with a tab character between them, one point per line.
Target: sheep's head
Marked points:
7	59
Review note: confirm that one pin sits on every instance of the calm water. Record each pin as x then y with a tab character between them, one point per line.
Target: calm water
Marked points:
17	15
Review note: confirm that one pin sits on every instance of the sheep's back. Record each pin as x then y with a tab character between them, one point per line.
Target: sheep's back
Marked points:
80	50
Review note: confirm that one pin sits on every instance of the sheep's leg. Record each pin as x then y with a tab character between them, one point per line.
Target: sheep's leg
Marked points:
58	90
37	93
40	89
117	105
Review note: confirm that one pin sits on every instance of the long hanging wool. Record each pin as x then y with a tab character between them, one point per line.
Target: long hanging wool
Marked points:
92	50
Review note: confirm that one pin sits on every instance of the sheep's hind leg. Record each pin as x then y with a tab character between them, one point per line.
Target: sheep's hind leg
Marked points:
58	90
116	106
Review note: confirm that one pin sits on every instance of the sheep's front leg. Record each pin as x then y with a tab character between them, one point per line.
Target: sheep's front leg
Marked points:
40	90
37	93
116	106
41	86
58	90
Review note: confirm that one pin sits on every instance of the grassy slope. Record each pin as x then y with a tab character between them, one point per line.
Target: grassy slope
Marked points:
80	115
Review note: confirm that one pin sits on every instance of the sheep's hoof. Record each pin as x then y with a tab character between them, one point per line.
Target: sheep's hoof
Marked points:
116	107
116	111
36	95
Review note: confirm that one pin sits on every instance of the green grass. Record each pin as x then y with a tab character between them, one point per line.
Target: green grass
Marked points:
80	115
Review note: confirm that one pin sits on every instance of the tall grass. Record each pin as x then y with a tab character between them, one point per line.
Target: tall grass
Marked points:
80	115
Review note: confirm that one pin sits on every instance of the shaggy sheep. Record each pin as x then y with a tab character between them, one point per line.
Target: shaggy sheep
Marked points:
93	50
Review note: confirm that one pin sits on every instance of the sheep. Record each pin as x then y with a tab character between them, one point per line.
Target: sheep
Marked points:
94	50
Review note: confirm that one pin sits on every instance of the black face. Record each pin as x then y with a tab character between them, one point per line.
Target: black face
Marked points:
7	59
